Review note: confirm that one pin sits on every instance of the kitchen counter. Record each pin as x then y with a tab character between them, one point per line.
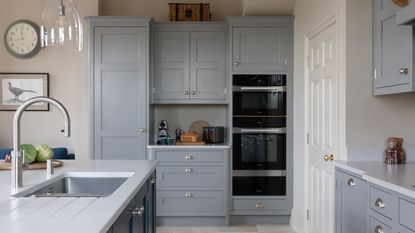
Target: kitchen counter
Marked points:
399	178
70	214
206	146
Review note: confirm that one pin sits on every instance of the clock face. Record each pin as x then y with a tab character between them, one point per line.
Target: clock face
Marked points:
22	39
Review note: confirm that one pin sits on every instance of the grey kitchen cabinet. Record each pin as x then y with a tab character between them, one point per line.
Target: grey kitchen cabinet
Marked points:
351	203
393	51
119	67
192	182
138	216
260	44
189	63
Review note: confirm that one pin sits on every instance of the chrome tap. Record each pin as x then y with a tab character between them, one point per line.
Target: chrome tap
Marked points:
17	160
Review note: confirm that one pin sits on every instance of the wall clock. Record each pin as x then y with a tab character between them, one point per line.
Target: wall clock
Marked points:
22	39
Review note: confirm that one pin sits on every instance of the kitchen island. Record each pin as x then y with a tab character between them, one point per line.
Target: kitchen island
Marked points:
71	214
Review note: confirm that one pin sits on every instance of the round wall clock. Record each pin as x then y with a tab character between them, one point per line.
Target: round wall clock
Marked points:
22	39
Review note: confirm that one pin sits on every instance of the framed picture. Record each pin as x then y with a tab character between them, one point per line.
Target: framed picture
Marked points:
17	88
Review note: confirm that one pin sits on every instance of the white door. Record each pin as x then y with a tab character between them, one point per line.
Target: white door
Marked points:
323	124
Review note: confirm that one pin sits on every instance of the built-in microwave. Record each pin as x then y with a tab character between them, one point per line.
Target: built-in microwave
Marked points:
259	95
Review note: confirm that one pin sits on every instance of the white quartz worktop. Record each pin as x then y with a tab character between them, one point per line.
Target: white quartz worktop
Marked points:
206	146
399	178
70	214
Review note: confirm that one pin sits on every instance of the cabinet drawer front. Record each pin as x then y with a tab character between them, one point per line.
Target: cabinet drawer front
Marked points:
352	181
189	176
259	205
376	226
189	201
189	156
406	214
381	202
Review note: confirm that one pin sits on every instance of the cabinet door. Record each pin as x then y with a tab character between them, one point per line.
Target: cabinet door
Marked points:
119	93
151	205
393	51
259	49
140	220
171	67
207	66
351	204
125	222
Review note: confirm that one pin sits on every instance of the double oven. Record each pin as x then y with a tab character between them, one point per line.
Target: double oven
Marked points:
259	135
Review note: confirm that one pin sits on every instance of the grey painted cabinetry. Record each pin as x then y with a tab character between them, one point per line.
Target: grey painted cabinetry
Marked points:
260	45
118	78
190	183
189	63
393	51
351	202
139	215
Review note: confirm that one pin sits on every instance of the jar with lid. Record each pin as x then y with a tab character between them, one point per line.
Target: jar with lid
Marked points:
394	153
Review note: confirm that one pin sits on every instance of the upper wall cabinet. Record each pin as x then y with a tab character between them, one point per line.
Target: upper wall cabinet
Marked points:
259	44
119	66
393	51
189	63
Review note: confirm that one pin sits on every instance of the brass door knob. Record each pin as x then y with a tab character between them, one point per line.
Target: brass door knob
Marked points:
328	157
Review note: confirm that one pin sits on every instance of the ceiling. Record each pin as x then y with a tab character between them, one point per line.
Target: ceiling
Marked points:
268	7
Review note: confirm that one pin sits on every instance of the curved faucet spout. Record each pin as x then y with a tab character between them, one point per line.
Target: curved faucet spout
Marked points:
16	155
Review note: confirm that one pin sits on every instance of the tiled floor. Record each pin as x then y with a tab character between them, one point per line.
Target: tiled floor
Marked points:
233	229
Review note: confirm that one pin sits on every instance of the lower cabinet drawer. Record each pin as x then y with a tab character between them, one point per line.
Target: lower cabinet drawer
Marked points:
189	201
381	202
259	205
189	176
406	214
376	226
189	156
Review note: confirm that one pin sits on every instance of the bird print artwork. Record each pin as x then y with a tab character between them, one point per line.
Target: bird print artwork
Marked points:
16	91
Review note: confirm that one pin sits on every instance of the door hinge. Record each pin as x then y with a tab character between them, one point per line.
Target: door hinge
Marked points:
308	61
225	91
154	90
308	138
375	73
286	61
308	215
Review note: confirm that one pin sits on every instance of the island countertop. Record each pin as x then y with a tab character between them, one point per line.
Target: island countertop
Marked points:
396	177
70	214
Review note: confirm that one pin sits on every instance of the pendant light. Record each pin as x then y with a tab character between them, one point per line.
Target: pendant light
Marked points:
61	25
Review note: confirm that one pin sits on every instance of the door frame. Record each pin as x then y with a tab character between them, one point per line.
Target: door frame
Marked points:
337	19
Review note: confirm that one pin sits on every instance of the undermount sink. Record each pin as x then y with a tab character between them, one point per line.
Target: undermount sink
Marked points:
78	185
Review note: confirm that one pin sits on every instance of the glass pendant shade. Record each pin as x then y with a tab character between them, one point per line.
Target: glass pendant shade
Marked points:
61	25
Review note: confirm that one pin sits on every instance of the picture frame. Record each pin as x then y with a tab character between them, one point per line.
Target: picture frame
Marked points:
16	88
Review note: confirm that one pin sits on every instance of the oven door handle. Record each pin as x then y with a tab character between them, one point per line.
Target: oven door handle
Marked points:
259	130
260	89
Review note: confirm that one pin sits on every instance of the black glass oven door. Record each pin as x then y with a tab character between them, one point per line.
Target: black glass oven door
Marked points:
259	103
259	151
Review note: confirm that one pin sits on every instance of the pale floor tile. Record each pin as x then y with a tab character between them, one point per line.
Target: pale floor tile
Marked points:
267	228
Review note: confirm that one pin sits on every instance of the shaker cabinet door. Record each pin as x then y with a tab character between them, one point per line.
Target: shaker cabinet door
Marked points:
259	49
207	66
393	51
119	93
171	66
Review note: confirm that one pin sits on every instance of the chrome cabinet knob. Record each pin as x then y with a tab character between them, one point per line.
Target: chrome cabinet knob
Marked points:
259	205
379	203
138	211
350	182
186	92
379	229
188	194
188	157
236	63
142	130
188	170
403	71
153	179
193	93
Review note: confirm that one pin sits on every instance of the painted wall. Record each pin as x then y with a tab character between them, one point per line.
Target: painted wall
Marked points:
68	83
159	9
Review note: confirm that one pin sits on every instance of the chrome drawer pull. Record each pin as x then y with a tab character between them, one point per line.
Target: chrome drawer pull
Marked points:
188	170
259	205
379	229
351	182
379	203
188	194
403	71
138	211
188	157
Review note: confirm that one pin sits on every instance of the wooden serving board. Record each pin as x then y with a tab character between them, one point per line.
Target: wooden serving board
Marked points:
180	143
33	166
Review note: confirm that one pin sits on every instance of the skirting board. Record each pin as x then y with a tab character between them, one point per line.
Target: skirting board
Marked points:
281	219
191	221
297	222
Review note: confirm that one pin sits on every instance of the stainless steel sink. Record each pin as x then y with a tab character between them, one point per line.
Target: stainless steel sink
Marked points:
76	186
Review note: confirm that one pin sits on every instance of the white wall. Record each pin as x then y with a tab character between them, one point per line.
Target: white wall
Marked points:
68	82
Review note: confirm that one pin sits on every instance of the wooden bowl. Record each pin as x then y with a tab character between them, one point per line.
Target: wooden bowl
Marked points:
401	3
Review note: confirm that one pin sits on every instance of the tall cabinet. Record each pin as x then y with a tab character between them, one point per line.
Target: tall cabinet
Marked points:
118	86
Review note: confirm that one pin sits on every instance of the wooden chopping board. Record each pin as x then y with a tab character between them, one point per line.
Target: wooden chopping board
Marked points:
33	166
401	3
190	143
